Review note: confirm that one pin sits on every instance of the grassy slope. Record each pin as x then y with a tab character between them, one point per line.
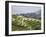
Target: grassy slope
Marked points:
20	24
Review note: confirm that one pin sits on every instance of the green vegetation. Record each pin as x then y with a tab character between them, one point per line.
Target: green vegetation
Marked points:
18	24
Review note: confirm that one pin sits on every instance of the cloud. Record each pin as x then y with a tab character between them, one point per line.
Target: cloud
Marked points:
24	9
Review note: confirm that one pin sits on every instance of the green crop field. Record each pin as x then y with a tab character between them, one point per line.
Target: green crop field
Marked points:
19	23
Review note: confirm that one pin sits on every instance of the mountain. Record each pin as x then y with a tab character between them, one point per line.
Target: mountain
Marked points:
36	15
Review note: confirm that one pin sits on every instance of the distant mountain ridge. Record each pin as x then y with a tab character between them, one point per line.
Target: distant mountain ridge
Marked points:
36	15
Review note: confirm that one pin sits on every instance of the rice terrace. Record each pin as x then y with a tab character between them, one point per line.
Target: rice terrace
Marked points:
23	23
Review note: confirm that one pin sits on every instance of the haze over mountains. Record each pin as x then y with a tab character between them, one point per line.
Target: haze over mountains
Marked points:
36	15
27	11
24	9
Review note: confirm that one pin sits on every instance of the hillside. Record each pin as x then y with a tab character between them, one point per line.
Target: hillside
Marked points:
23	23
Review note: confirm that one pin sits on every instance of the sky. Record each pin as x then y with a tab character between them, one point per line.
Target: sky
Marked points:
23	9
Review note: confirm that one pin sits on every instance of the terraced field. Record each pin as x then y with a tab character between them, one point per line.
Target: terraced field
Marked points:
20	23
